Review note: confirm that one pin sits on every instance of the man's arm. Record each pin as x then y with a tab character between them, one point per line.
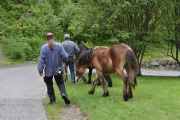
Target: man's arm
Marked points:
41	64
63	53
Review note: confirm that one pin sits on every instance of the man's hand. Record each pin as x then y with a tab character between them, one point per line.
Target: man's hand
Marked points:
41	74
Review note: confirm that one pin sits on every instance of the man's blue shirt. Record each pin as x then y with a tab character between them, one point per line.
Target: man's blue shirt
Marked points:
51	59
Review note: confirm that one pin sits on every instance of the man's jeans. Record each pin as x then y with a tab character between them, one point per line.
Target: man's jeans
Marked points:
72	71
50	89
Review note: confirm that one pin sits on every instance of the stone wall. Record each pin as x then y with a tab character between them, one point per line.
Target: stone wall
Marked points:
161	64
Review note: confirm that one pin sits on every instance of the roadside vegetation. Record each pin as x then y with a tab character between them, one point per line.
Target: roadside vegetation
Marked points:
143	24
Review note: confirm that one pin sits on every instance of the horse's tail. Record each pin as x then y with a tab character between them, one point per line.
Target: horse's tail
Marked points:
132	67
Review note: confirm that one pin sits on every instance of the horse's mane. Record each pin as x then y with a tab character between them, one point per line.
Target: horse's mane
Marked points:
85	57
82	46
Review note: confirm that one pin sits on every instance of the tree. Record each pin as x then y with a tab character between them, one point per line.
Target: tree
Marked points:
174	30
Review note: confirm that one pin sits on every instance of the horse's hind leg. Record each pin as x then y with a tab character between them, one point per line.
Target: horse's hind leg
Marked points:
130	95
132	81
125	90
123	74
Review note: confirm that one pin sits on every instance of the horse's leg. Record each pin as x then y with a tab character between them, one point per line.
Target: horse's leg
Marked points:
130	92
123	74
104	86
98	75
92	90
99	81
131	79
84	79
109	80
90	75
125	89
94	84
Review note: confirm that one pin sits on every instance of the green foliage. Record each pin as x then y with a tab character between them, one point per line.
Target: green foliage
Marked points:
140	23
23	28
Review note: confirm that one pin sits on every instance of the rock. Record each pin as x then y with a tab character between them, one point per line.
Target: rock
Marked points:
161	67
146	65
155	63
171	62
168	66
163	62
173	66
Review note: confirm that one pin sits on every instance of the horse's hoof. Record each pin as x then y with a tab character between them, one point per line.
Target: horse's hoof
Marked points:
105	94
91	92
125	97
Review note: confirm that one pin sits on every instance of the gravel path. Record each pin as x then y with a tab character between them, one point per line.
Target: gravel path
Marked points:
21	93
72	112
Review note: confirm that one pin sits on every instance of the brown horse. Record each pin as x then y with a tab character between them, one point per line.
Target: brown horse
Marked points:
118	59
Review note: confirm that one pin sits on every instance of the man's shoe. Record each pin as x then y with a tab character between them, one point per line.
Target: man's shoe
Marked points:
52	101
66	100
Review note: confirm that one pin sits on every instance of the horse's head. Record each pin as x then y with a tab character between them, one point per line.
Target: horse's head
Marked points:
82	47
83	62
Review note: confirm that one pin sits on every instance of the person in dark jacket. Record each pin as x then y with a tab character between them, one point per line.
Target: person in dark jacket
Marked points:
52	57
72	49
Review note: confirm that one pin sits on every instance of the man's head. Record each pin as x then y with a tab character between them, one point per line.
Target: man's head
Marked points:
66	36
50	39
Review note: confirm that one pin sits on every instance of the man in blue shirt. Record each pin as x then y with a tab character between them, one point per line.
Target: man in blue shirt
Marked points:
72	49
51	61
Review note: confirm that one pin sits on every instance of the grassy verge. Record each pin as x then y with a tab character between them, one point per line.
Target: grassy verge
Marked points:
53	110
156	98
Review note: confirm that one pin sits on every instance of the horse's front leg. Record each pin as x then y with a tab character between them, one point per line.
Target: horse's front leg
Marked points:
104	86
109	80
94	84
90	75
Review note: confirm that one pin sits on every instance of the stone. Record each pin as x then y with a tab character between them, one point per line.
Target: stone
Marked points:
155	63
164	62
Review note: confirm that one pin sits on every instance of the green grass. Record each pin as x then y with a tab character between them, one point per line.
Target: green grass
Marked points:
156	98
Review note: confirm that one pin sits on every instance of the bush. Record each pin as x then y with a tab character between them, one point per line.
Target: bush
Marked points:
23	27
